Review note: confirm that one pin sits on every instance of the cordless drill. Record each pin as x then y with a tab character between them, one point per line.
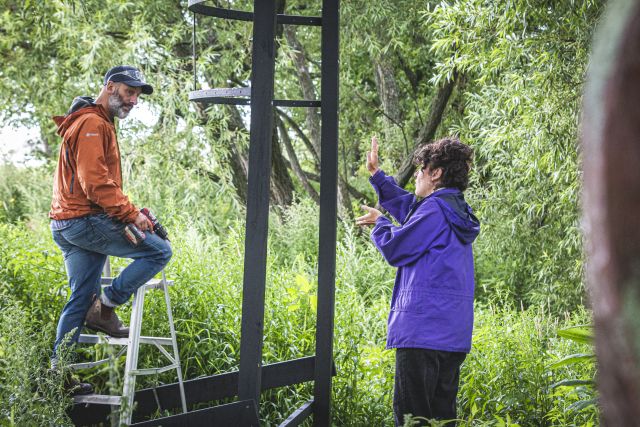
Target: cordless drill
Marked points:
135	236
157	227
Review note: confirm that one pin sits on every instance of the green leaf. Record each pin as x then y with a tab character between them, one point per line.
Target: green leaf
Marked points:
573	359
582	334
303	283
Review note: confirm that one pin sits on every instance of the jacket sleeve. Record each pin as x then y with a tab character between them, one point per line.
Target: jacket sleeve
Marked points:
93	173
391	196
402	245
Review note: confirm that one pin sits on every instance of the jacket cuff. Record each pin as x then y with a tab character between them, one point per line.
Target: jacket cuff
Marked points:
377	178
132	216
382	220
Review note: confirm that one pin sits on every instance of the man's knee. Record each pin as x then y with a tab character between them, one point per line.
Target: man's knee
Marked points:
165	252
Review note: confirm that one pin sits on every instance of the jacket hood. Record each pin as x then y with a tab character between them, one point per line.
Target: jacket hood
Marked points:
80	105
458	213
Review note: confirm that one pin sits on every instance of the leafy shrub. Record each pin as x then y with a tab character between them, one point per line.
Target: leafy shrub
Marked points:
30	393
507	375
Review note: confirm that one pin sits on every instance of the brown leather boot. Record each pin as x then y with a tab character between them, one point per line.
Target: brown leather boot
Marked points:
104	319
74	387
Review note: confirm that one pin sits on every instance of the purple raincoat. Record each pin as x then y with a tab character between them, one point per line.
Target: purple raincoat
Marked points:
432	301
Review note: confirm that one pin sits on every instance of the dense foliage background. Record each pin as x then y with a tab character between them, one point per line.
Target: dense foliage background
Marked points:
506	76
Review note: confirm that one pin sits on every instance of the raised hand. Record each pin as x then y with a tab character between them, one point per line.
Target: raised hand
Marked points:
370	218
372	157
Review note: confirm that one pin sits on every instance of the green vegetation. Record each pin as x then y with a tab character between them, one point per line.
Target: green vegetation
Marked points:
508	375
506	76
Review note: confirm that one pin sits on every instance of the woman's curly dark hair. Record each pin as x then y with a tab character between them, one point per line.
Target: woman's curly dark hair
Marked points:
452	156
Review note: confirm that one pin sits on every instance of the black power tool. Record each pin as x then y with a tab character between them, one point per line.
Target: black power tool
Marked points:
157	227
135	236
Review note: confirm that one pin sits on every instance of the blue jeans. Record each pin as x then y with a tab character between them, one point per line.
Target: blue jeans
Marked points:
85	243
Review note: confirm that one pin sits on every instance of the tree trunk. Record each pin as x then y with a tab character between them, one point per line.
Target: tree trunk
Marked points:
428	131
237	157
611	149
281	184
387	88
294	163
308	89
303	137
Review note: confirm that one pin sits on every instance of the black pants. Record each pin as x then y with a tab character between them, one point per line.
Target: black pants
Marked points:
426	383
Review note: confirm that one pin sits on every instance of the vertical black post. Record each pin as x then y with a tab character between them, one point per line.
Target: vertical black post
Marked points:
328	213
255	256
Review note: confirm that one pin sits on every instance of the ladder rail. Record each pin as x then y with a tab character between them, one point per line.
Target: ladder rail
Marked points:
131	363
176	355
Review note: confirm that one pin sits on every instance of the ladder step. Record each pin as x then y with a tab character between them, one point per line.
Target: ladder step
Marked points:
152	371
105	339
99	399
87	365
156	284
151	284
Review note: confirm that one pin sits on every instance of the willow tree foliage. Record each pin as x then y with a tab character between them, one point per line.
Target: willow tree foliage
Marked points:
525	63
506	76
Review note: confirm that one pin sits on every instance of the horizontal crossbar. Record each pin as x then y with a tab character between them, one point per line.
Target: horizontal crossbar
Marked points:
296	103
241	413
299	415
232	96
199	7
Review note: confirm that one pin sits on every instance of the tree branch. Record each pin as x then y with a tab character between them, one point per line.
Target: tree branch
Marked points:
302	135
427	132
294	164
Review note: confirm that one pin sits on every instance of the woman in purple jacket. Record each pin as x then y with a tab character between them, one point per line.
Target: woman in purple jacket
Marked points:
431	317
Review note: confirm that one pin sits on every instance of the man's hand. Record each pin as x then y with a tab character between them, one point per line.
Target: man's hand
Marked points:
143	223
372	157
370	218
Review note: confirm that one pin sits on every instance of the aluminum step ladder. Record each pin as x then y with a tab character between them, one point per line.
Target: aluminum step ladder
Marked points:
131	346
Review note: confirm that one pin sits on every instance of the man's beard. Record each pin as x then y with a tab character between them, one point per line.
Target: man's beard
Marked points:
117	107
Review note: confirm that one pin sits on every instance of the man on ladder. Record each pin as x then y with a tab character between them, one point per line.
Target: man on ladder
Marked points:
92	218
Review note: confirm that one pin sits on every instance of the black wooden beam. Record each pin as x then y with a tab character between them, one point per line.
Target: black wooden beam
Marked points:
299	415
242	413
296	103
257	222
328	213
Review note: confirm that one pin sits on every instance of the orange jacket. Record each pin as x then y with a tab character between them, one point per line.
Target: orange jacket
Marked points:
88	177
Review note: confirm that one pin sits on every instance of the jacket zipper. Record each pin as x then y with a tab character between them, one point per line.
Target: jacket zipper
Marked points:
73	172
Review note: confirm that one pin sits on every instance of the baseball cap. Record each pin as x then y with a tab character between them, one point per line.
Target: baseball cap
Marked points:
128	75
